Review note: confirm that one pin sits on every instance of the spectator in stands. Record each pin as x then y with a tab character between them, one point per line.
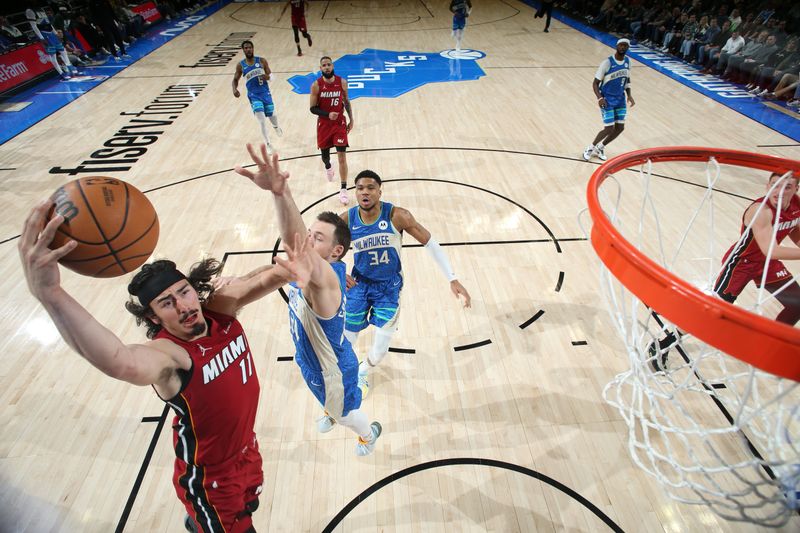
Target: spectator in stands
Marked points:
702	30
785	85
705	52
11	32
90	34
747	63
767	76
673	32
736	20
103	15
738	47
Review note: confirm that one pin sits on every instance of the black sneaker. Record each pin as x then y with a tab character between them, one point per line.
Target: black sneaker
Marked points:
188	523
658	356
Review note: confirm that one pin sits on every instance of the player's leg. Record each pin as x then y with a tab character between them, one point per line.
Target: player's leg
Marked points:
259	113
619	125
304	31
384	314
356	310
296	31
326	160
781	285
367	432
269	111
341	155
607	114
548	9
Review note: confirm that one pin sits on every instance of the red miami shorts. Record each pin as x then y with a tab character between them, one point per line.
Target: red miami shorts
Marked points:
332	133
299	21
737	274
221	497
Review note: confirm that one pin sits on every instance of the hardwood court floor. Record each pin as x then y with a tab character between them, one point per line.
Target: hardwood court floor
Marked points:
478	163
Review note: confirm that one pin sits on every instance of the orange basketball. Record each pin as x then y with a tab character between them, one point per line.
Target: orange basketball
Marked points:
114	224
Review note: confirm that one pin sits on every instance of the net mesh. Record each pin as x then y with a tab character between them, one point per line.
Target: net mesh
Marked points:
711	429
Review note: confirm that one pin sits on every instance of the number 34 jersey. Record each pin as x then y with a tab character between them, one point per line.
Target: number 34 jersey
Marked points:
376	246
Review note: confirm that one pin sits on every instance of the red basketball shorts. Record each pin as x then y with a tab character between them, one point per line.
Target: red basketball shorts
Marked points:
221	497
736	275
330	133
299	21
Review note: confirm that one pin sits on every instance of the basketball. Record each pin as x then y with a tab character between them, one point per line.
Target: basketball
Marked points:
114	224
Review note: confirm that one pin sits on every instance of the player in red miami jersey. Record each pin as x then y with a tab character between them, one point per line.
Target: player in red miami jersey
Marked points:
198	360
328	99
746	260
299	8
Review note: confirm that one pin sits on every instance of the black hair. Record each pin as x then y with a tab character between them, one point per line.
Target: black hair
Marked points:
368	174
199	278
325	57
341	232
248	42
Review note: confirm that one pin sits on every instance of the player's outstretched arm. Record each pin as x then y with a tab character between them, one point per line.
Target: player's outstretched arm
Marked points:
270	177
762	231
313	274
403	220
138	364
231	294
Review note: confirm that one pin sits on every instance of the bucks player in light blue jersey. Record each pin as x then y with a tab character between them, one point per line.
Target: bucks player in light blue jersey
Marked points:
256	74
612	83
317	305
373	295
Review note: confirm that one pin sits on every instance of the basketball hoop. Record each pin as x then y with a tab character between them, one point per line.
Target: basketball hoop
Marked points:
723	357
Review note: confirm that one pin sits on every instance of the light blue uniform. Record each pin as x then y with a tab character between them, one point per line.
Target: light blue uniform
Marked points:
377	270
326	359
614	79
257	89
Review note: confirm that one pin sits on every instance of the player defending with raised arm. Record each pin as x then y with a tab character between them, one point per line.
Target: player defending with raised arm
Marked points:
373	295
328	99
256	74
198	360
316	305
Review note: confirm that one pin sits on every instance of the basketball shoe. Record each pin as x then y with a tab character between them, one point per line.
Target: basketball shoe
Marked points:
589	152
343	198
325	423
367	446
329	174
600	152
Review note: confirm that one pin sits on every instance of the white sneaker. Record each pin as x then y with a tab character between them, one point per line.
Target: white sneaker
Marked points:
601	153
278	131
589	152
366	447
325	423
343	198
269	149
329	173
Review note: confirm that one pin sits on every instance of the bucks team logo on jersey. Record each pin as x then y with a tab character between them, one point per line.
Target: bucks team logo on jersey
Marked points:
389	74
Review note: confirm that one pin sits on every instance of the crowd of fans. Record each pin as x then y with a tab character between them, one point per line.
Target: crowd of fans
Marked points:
91	31
753	43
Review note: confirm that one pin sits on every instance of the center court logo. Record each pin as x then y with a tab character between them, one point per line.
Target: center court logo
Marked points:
389	74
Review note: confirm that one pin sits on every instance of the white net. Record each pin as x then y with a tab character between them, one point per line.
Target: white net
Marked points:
711	429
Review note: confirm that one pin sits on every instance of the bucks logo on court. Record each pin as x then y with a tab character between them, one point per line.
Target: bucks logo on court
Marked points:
388	74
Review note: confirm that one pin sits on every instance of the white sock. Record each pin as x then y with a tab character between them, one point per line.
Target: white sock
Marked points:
600	145
358	422
54	61
262	121
65	58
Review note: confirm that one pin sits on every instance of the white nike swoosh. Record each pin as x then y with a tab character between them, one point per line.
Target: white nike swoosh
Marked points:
357	227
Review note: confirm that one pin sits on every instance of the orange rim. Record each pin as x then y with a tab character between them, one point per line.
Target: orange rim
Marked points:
756	340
